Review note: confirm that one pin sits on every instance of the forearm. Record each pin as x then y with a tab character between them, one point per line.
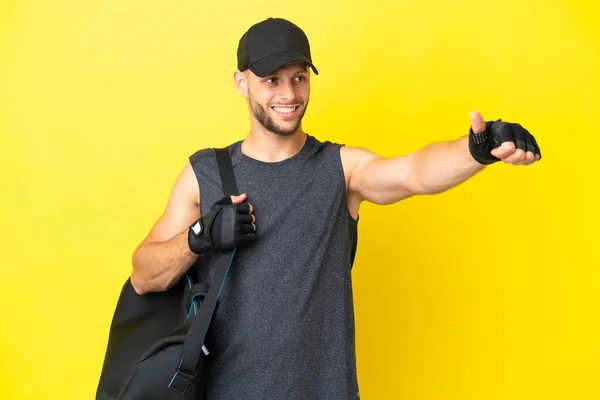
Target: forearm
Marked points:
441	166
433	169
437	167
157	266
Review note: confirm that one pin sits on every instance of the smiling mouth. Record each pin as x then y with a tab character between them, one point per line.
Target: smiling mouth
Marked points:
285	111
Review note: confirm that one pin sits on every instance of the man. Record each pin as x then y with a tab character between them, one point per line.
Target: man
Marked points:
284	328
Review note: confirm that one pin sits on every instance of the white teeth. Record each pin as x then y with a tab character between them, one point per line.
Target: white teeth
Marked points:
284	110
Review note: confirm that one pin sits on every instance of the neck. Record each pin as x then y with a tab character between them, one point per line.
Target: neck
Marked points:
266	146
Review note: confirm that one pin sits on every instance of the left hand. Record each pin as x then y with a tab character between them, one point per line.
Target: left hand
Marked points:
503	141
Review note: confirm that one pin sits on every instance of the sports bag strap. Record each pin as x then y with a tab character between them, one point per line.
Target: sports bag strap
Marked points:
226	171
194	339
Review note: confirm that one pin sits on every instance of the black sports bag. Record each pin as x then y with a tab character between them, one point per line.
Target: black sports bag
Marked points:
156	347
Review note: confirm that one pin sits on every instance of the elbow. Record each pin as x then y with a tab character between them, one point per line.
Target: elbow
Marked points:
138	285
143	285
139	280
146	278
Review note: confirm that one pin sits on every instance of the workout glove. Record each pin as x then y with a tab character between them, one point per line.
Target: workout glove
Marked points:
496	133
225	227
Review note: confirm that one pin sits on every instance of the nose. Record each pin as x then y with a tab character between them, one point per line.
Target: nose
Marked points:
286	91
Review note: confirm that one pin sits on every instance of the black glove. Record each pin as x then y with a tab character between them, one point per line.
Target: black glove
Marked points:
225	227
496	133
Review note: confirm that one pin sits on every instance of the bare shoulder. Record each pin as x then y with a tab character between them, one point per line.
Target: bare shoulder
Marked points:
353	160
183	207
187	184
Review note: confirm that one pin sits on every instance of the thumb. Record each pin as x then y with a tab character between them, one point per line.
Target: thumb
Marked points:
477	122
238	199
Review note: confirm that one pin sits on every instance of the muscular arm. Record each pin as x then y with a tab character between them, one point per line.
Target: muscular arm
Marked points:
163	257
431	170
437	167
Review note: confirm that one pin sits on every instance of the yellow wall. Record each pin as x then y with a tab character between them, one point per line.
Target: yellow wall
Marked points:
488	291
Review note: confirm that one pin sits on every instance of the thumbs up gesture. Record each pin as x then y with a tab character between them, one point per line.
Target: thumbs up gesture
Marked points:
494	141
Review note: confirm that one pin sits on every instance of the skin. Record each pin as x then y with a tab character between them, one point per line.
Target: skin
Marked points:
164	256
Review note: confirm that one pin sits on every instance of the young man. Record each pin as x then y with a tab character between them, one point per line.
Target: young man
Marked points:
284	328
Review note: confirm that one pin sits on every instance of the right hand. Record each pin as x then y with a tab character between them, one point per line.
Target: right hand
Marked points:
494	141
228	224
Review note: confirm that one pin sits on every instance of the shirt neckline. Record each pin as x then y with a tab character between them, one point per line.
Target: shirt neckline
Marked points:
266	164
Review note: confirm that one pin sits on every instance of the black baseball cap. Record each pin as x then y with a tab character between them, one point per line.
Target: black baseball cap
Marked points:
270	44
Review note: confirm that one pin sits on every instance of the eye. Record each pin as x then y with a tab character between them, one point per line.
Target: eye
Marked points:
271	80
300	78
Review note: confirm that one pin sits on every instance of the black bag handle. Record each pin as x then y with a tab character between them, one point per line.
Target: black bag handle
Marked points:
194	339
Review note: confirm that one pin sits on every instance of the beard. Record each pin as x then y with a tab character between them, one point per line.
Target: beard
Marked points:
261	115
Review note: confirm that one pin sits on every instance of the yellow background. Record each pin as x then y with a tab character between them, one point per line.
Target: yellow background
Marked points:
488	291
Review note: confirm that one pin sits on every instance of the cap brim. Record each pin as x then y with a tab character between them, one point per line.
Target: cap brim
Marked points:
272	63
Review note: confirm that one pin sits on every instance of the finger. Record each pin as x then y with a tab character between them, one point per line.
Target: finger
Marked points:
245	219
533	151
520	154
238	199
503	133
247	239
243	208
505	150
530	147
224	201
516	158
477	122
529	158
520	133
537	151
247	228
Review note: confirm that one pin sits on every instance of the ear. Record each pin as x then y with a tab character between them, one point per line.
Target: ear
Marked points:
241	83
